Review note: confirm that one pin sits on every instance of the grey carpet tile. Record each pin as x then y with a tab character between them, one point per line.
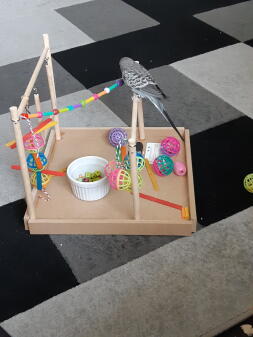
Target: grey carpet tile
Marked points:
118	18
226	72
186	288
235	20
189	104
91	256
23	22
15	77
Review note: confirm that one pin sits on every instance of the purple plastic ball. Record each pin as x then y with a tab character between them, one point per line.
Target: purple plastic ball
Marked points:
117	136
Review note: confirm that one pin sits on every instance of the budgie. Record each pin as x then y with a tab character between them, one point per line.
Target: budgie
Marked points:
140	81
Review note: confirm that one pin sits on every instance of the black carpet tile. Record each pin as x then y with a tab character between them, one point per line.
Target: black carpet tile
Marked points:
32	269
179	37
236	331
221	158
3	333
249	42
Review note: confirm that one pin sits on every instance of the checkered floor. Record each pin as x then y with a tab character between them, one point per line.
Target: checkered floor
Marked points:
200	52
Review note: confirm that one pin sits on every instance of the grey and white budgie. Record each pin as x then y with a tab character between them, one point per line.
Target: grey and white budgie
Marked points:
140	81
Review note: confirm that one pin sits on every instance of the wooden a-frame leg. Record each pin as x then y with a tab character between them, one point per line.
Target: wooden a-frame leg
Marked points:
51	84
22	159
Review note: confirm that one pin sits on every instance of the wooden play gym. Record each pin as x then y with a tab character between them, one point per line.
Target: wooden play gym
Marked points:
120	212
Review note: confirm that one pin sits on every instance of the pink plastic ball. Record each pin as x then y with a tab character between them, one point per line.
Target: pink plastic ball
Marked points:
170	146
179	168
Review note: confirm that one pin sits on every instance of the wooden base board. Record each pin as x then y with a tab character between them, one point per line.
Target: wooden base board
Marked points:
64	214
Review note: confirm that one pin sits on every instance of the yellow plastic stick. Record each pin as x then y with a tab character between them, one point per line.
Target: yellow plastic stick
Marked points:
151	175
49	125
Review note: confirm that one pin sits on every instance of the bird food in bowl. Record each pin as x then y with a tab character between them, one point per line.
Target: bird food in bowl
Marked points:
87	178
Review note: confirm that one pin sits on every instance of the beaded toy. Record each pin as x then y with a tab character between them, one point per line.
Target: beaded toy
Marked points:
170	146
140	162
248	182
163	165
117	136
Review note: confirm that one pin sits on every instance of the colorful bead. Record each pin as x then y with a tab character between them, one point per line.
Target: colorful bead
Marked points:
120	82
70	107
95	96
113	86
56	111
49	113
83	102
64	110
107	90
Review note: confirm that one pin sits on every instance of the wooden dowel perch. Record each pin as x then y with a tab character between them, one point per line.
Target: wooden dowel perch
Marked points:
141	120
22	159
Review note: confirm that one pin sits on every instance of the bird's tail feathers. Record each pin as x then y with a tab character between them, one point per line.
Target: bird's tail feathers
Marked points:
162	92
159	105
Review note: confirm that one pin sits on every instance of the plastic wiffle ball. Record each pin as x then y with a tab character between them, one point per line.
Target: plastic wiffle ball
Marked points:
140	162
111	166
170	146
32	164
117	136
140	183
120	179
163	165
34	143
248	182
44	179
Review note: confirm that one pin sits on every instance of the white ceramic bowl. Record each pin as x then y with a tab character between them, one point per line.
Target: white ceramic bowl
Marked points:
88	190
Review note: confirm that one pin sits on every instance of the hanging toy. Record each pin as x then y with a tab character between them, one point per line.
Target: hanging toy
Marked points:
163	165
179	168
32	144
120	179
248	182
111	166
36	163
170	146
117	136
39	180
140	183
140	162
